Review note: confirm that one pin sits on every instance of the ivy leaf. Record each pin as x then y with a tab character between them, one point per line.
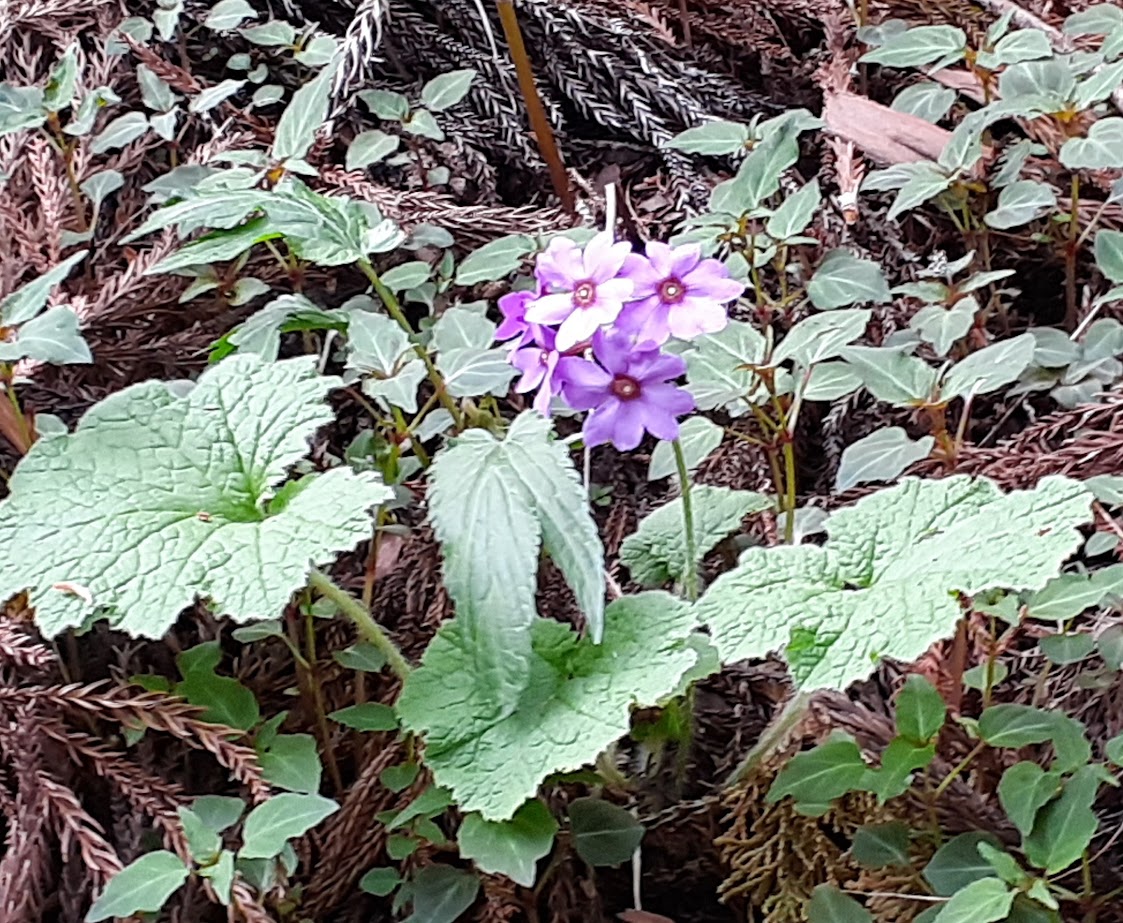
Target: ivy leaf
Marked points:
921	710
928	101
1065	827
441	894
890	375
225	700
156	500
717	138
821	336
28	300
459	328
984	901
495	260
202	842
218	812
883	455
512	847
821	774
447	90
943	326
291	762
926	181
990	368
603	833
1024	790
919	46
698	436
877	846
958	863
795	213
843	279
910	546
656	551
367	716
140	887
576	702
1100	150
525	492
1020	203
273	823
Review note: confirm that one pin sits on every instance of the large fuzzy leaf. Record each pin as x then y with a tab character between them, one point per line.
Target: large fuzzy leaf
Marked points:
158	499
884	585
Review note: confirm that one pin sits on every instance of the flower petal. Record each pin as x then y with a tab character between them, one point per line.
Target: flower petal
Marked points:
550	309
580	325
711	280
684	259
673	400
658	421
695	317
600	425
627	431
653	367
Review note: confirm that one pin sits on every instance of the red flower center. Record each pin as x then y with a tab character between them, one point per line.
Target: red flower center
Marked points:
625	388
585	294
672	291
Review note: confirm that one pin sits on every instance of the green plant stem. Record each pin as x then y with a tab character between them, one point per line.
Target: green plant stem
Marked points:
773	737
958	770
313	679
1071	249
403	430
368	628
690	576
394	308
789	491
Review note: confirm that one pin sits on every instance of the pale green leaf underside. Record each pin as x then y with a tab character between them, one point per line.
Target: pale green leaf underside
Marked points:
576	703
884	584
156	500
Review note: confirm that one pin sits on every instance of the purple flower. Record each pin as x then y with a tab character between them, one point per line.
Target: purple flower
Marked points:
677	293
539	364
628	392
583	287
515	327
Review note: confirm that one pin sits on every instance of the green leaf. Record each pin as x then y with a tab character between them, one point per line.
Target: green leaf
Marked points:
1065	827
698	436
603	833
577	700
511	847
1113	750
1021	202
656	551
221	875
958	863
883	455
228	14
225	700
204	843
944	326
1101	19
140	887
899	762
368	716
495	260
919	46
821	774
408	275
523	491
1005	865
51	337
984	901
447	90
877	846
291	762
758	177
1102	149
795	213
1014	726
20	108
380	881
829	381
302	118
218	812
121	131
716	138
441	894
1066	596
399	778
821	336
843	279
428	804
926	181
921	711
363	656
1109	254
1063	649
1098	86
370	147
1025	788
28	300
472	372
902	549
990	368
928	100
713	371
181	486
459	328
59	92
829	905
273	823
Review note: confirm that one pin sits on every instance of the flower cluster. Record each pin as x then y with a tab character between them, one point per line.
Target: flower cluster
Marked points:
593	330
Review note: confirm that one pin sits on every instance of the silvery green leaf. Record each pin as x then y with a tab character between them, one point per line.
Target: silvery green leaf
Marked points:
207	99
1099	86
458	328
928	100
1102	149
919	46
400	389
1053	349
303	116
982	279
101	184
1013	159
246	289
1000	26
1022	45
166	18
156	501
82	121
698	436
164	124
268	95
926	182
142	886
121	131
421	122
273	34
795	213
318	52
472	372
892	376
47	426
51	337
29	299
1103	340
495	260
831	380
384	104
406	275
821	336
446	90
883	455
156	94
271	824
228	14
714	367
62	82
370	147
1019	203
758	177
1112	46
889	179
716	138
376	344
990	368
942	326
1115	294
1101	19
1109	254
927	290
843	279
1049	79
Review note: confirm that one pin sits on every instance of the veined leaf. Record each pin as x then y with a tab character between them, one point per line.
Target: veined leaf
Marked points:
1102	149
715	138
881	456
911	546
303	116
984	901
1021	202
843	279
511	847
446	90
1065	827
29	299
273	823
919	46
698	436
142	886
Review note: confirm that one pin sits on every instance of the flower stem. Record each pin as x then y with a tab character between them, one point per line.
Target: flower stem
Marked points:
394	308
690	575
369	630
